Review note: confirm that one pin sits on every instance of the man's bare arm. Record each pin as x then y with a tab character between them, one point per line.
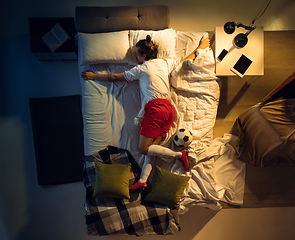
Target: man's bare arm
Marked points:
204	43
111	77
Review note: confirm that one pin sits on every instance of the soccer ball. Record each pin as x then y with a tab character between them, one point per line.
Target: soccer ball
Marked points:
183	137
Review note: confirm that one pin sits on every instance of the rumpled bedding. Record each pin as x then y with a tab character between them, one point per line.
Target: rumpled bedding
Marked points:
109	110
195	93
215	173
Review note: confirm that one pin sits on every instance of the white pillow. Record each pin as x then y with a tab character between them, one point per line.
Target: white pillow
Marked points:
165	39
187	42
97	48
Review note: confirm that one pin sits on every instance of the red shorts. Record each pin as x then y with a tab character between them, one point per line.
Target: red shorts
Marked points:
158	118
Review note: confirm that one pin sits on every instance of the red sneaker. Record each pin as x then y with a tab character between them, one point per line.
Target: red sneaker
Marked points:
184	160
138	185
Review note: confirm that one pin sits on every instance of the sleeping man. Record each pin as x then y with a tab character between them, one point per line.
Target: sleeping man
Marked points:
158	113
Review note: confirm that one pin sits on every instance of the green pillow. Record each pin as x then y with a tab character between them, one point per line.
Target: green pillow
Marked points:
167	188
112	180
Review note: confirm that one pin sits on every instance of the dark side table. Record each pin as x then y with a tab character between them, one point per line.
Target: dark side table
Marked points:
38	27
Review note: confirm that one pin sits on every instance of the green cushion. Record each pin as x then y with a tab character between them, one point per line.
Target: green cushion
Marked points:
167	188
112	180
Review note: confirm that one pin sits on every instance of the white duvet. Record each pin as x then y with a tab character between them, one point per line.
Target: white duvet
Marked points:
109	110
215	174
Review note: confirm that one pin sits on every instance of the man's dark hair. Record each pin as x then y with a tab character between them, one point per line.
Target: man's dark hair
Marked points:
146	46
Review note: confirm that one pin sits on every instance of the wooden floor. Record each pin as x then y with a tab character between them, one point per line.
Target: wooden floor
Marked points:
267	187
236	96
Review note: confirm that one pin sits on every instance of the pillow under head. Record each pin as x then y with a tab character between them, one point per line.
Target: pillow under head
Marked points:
164	39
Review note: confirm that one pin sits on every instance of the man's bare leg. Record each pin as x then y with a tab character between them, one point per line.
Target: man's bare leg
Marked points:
150	147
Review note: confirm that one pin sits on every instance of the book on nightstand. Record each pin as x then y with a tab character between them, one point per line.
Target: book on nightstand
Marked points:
56	37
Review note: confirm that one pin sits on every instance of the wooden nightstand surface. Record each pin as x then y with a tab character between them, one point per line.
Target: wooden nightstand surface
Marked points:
254	50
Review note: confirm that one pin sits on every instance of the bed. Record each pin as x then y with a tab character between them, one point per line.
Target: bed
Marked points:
106	38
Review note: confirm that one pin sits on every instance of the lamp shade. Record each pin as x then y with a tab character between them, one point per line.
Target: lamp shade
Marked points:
229	27
241	40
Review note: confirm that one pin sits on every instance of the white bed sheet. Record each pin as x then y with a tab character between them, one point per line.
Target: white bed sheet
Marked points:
109	110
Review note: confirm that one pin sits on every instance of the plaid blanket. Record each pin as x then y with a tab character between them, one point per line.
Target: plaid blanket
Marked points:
106	215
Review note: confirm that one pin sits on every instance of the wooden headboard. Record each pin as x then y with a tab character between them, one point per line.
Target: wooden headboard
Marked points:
110	19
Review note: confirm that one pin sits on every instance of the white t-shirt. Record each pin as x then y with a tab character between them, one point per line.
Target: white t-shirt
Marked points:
153	77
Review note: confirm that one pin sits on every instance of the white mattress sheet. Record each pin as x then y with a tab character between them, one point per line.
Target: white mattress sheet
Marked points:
109	110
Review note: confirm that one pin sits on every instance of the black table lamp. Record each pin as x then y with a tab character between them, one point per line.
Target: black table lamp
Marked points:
242	38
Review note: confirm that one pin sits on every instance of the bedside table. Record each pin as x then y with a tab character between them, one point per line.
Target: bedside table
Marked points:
254	50
38	27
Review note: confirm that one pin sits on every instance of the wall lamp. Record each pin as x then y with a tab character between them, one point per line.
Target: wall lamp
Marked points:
242	38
